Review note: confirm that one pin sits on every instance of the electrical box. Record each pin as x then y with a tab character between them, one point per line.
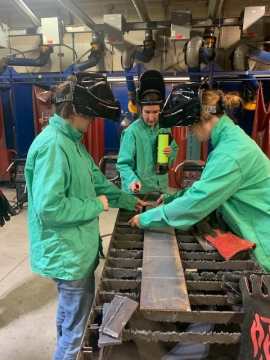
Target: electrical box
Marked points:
3	36
180	25
50	30
253	23
114	27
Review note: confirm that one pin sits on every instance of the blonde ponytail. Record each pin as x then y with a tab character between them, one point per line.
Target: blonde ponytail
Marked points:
220	100
232	100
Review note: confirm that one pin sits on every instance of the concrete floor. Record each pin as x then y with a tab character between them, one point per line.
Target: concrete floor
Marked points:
28	302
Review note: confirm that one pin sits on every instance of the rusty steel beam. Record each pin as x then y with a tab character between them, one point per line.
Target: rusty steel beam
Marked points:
220	265
172	336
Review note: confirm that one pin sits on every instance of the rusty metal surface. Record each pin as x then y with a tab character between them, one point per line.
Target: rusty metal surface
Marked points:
120	311
104	339
204	271
163	286
173	336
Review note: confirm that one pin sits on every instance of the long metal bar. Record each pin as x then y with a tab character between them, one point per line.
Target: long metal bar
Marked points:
213	317
27	11
172	336
215	8
74	9
141	10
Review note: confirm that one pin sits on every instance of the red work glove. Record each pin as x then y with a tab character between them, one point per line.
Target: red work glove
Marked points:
228	244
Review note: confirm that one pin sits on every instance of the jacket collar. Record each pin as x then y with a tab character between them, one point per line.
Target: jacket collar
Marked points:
223	123
147	127
65	127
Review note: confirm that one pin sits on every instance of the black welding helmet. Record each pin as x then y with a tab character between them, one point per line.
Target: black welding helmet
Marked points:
151	90
182	106
91	96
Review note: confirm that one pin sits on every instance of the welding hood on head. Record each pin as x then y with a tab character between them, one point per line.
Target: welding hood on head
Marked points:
182	107
91	96
151	84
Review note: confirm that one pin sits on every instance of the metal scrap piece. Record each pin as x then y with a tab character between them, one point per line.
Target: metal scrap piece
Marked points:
104	339
120	311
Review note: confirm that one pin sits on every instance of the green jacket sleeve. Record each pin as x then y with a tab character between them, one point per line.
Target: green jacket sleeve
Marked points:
167	198
116	197
174	152
127	158
220	179
50	183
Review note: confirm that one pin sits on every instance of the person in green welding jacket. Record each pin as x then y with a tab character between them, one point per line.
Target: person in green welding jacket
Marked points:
66	194
137	158
235	180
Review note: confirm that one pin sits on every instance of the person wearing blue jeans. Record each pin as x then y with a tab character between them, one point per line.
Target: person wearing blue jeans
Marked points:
66	194
74	304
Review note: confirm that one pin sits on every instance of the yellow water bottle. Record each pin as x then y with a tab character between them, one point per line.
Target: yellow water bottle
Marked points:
162	159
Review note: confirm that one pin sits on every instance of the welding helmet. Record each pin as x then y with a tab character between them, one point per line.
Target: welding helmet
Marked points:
183	106
151	85
91	96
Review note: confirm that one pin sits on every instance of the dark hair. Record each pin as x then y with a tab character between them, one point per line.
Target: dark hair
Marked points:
150	97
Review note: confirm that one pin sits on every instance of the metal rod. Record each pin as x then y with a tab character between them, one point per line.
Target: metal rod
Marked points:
141	9
27	11
78	13
171	336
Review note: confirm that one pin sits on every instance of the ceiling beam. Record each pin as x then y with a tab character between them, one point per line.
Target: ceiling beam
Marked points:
215	8
78	13
141	10
166	4
27	11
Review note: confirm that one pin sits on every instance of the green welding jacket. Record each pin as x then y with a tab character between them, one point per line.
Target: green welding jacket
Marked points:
63	184
137	159
236	181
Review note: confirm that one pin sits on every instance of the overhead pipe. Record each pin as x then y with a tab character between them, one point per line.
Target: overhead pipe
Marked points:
245	51
200	50
132	107
143	53
40	61
93	59
259	55
95	56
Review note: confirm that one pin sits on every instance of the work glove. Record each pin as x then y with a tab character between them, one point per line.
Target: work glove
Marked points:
5	209
255	340
227	244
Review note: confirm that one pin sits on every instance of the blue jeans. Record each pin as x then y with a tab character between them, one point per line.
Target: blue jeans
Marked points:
74	303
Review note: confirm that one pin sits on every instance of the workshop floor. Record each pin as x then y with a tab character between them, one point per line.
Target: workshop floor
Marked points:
28	302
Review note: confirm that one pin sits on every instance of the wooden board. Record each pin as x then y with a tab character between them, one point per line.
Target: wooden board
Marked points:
163	286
